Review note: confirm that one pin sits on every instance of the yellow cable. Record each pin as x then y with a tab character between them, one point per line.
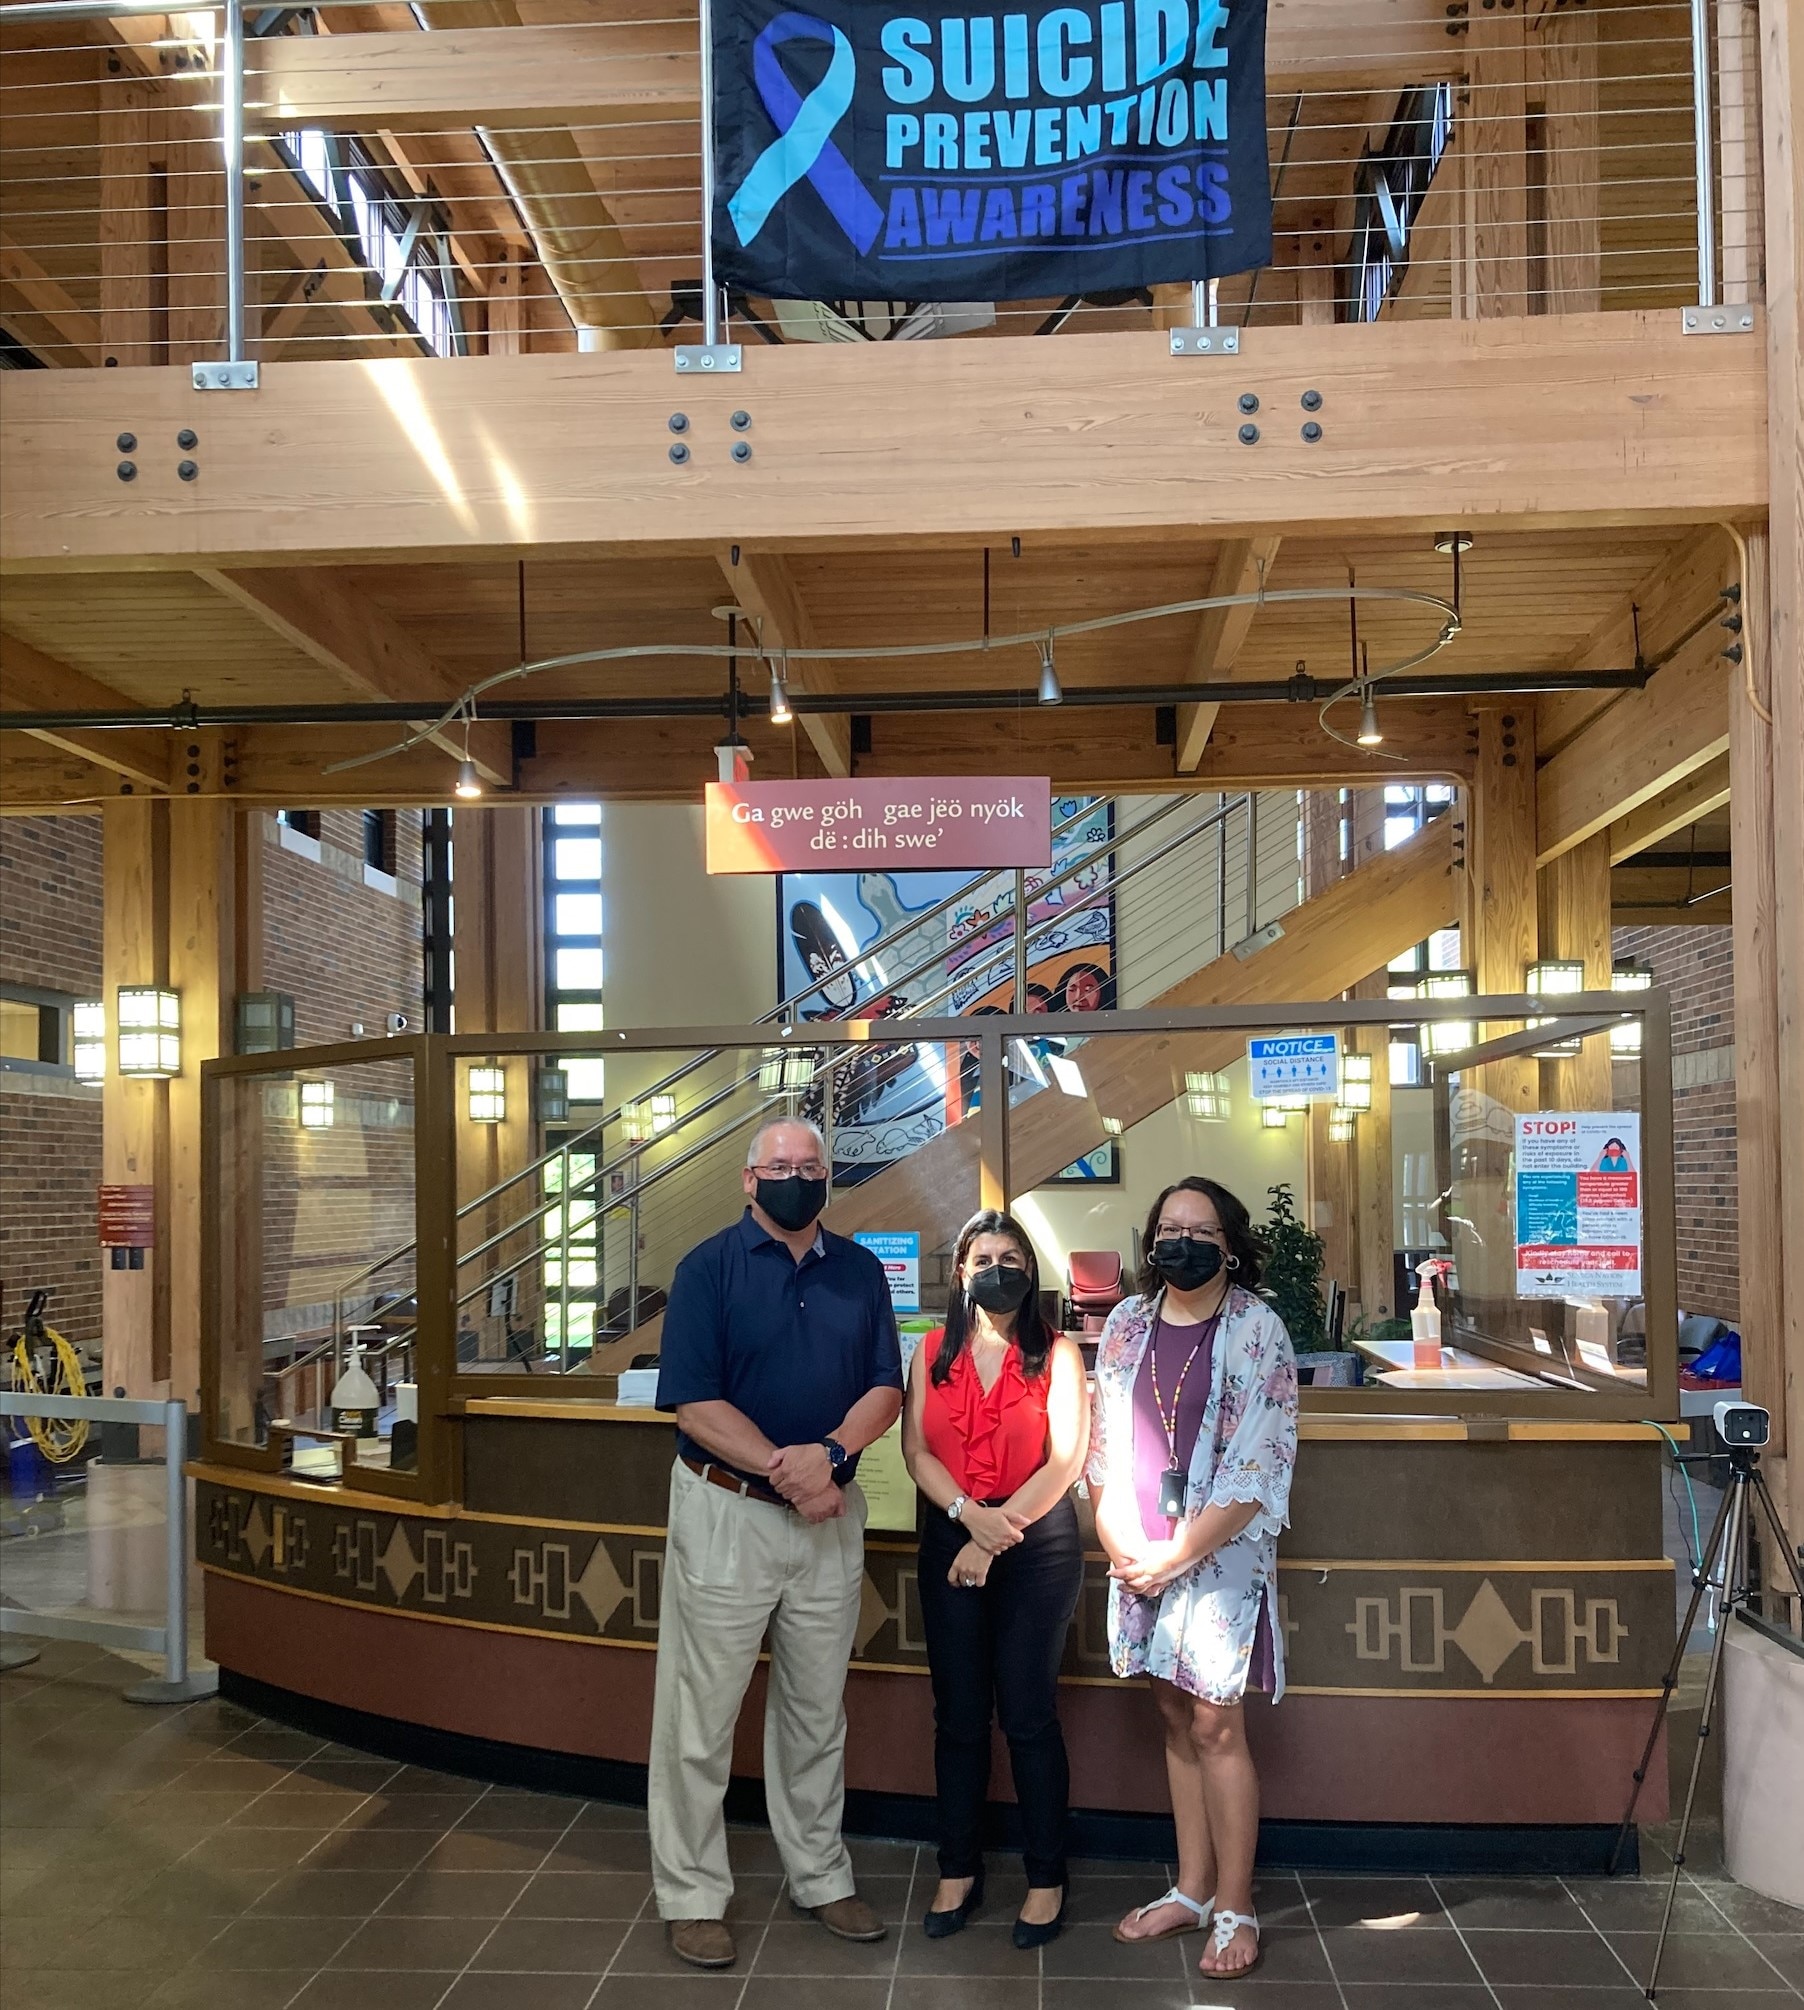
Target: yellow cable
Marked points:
58	1438
1747	628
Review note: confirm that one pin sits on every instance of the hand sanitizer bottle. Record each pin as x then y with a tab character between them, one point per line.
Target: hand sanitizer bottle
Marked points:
1425	1319
354	1396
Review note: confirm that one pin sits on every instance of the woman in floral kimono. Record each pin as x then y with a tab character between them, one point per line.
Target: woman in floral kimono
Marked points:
1193	1437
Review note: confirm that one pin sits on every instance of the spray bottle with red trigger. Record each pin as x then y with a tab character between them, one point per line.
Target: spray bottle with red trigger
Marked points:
1425	1319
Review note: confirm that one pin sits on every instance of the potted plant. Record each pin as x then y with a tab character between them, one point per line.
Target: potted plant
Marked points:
1294	1256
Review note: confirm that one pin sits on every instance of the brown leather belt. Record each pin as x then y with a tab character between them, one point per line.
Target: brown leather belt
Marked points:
719	1476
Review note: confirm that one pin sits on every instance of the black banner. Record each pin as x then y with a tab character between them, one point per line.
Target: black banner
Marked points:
902	150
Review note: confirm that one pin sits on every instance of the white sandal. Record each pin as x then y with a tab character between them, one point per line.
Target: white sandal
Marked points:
1174	1896
1227	1924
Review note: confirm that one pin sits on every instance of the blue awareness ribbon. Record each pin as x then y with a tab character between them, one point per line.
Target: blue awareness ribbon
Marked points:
804	143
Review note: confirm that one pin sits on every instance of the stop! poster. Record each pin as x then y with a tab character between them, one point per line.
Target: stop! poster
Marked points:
1578	1204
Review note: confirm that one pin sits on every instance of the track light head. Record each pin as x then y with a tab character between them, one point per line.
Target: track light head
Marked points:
1451	542
780	713
1371	734
1052	692
469	782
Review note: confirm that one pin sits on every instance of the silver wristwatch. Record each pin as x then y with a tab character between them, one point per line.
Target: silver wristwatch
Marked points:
956	1509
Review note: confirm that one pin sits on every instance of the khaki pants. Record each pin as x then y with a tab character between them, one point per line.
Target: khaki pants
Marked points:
734	1567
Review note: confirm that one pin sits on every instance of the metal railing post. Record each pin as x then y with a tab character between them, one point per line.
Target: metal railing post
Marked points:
232	146
1020	941
1252	920
710	292
175	1684
1704	150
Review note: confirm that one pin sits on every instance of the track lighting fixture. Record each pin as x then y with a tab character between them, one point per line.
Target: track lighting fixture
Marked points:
469	782
1371	734
1052	692
780	714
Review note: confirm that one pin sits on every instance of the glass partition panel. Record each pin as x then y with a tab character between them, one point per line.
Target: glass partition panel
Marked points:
313	1224
568	1232
1506	1175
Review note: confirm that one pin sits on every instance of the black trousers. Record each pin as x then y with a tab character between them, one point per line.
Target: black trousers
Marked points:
995	1652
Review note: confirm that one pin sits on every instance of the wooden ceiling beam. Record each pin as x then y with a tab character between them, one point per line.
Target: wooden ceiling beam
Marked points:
1671	598
30	285
1646	745
348	633
1674	809
1580	420
585	73
1242	566
764	586
30	681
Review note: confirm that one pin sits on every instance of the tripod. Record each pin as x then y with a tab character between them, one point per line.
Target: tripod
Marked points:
1730	1543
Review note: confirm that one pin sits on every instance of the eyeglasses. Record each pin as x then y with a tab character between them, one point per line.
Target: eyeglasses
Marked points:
1170	1230
781	1169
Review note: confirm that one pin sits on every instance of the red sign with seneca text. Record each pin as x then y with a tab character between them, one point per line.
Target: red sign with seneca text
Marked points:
981	822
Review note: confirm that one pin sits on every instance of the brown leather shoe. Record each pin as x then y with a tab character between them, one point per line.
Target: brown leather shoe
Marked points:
849	1918
703	1943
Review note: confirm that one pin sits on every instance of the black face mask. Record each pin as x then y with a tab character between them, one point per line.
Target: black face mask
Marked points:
1186	1262
794	1202
999	1289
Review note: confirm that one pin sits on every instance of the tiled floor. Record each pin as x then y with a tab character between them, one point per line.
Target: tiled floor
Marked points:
203	1860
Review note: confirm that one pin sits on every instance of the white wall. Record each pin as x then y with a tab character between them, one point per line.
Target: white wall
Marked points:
1164	1147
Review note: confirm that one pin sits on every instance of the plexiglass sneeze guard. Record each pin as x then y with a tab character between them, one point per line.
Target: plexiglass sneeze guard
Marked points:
486	1216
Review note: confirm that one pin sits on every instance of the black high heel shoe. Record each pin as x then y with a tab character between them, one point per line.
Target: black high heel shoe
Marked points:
943	1925
1030	1934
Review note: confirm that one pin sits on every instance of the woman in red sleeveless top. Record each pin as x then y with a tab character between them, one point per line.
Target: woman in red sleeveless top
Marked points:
994	1433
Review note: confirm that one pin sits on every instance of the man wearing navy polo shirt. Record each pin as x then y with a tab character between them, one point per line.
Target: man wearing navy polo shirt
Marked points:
781	1361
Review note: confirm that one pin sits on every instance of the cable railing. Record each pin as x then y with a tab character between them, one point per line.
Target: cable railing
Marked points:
175	191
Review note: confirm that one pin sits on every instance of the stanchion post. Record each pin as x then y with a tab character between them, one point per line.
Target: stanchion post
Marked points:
176	1684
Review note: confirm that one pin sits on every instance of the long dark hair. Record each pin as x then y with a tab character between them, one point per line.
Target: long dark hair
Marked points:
1236	1225
1032	1334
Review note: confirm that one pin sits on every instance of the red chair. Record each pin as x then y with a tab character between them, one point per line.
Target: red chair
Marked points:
1094	1286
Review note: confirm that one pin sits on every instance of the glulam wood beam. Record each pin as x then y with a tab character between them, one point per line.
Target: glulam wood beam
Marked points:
25	282
764	586
588	73
1243	565
1674	809
30	681
1612	418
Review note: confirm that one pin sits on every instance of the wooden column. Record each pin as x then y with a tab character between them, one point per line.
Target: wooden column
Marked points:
507	302
134	1127
128	222
1497	165
1574	892
499	940
1499	935
215	945
1374	1176
1759	1138
1565	184
1328	1165
1782	95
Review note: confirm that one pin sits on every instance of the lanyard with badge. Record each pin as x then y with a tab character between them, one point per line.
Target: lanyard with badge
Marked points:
1171	1481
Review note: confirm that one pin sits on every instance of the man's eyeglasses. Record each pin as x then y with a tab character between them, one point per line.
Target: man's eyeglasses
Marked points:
782	1169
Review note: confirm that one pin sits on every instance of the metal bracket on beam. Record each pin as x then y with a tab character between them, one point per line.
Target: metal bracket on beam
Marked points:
1716	320
722	358
225	376
1205	341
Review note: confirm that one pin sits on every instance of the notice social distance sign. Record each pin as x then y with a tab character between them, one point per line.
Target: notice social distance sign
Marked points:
961	821
890	149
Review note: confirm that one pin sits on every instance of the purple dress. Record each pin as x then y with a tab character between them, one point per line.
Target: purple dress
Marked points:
1169	1349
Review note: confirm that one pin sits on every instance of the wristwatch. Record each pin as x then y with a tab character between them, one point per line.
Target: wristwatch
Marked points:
836	1453
956	1509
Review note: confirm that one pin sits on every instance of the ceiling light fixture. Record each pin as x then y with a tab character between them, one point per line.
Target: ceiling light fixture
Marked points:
1052	692
1371	734
780	713
469	782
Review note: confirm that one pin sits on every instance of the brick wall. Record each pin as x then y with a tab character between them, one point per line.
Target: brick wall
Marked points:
1696	967
50	1124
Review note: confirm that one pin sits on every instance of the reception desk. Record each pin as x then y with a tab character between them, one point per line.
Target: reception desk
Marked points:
1477	1614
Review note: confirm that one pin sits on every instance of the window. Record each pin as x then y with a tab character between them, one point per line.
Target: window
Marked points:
1407	807
34	1030
1392	183
304	823
379	840
573	948
405	255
